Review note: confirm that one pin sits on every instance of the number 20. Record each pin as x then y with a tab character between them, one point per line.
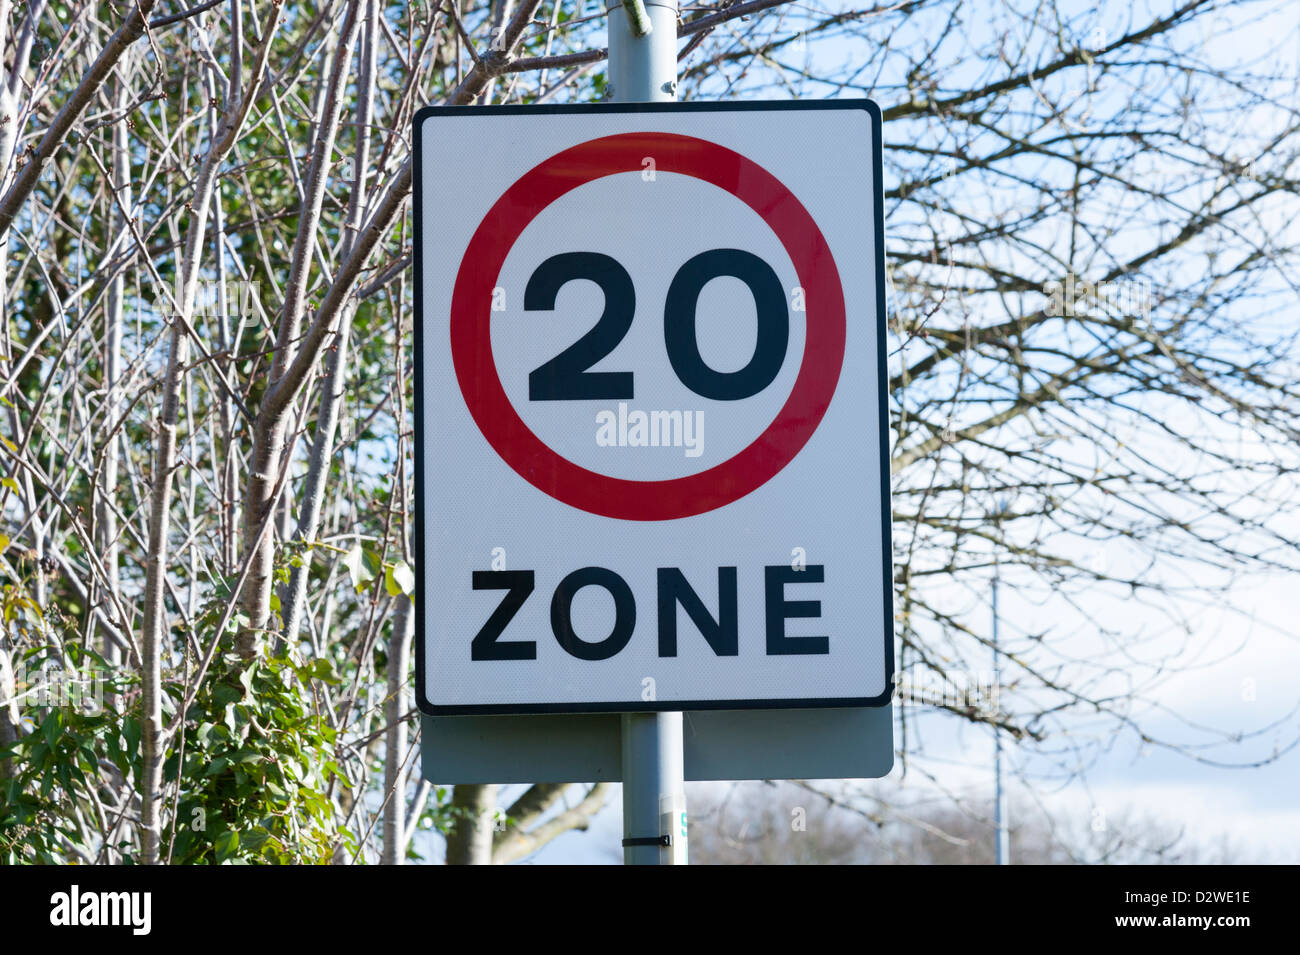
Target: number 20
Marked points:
566	376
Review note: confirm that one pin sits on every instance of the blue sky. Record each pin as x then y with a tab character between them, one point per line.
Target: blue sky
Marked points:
1237	663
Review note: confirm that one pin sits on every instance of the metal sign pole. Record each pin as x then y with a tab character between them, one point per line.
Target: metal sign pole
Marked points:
643	68
1002	855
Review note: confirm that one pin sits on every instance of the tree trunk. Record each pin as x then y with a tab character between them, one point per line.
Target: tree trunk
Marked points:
331	399
153	643
269	432
9	725
395	745
469	840
106	511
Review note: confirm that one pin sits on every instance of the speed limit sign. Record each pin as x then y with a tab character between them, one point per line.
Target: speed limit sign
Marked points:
651	425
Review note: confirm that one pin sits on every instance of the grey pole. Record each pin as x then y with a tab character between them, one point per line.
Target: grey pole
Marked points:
643	68
1003	845
654	796
642	65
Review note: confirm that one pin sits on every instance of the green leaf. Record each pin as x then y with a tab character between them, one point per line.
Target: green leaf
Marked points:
226	845
399	579
131	730
362	565
322	668
115	752
51	729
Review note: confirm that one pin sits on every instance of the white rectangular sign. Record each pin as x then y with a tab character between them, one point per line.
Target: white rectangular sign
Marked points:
652	438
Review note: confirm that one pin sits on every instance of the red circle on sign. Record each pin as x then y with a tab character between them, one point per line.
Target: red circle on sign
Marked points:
745	471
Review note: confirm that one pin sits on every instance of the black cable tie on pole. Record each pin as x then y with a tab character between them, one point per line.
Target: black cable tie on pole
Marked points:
648	841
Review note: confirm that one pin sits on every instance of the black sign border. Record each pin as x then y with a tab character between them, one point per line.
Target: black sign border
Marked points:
882	400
